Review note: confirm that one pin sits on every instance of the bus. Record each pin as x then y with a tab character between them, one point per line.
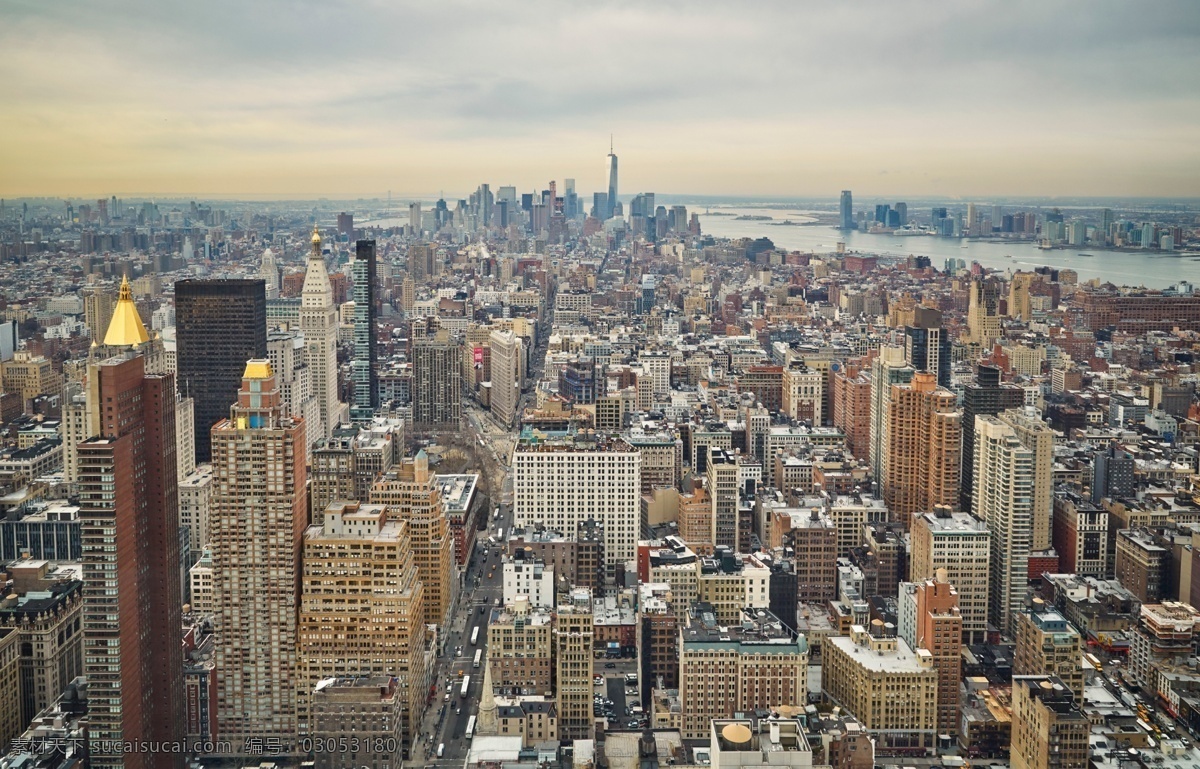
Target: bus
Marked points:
466	685
470	727
1093	661
478	657
496	514
475	636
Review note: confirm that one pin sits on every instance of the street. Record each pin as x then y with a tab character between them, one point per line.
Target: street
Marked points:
445	722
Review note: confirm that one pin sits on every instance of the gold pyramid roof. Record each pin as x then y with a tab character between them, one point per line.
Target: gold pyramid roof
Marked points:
126	328
257	368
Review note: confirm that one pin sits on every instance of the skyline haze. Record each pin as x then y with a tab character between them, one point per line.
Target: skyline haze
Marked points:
300	100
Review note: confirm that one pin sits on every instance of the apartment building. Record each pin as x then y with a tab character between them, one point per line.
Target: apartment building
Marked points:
753	663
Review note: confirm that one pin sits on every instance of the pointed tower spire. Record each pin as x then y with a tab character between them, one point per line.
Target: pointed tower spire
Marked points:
487	703
126	328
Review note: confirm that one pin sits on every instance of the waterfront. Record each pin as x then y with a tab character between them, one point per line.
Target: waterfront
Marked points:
1149	269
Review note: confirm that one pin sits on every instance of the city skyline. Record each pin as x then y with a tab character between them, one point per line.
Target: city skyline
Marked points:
996	100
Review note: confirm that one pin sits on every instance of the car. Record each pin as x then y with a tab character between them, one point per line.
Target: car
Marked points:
490	573
481	610
610	666
599	680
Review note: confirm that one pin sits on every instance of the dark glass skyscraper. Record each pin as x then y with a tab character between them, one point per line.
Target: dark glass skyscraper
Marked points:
847	210
219	325
363	368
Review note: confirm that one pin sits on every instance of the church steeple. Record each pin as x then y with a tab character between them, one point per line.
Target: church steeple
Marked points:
487	703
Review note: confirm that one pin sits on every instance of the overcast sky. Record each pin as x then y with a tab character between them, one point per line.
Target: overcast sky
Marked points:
358	97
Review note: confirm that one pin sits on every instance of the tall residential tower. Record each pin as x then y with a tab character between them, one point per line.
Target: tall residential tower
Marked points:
258	514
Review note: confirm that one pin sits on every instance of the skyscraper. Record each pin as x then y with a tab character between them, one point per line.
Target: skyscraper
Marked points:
437	382
889	368
983	312
506	373
318	321
927	345
379	611
611	168
219	325
938	630
847	210
985	395
1003	499
412	494
133	658
258	513
924	438
1036	435
366	386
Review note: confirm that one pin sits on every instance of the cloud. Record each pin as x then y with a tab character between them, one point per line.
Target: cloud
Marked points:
359	96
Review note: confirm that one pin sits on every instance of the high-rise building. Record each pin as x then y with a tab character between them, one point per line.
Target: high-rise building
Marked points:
1112	474
1048	645
98	304
219	325
983	312
561	482
985	395
74	428
130	526
938	629
1049	731
1036	436
573	633
318	321
723	493
411	493
269	272
888	369
506	375
1003	499
345	225
960	544
195	500
927	345
437	391
360	577
611	170
289	361
847	210
258	514
924	435
1019	298
364	367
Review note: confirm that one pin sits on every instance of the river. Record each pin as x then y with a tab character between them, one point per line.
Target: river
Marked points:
1150	269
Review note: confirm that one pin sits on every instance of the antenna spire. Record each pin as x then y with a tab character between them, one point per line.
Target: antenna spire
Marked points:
610	144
